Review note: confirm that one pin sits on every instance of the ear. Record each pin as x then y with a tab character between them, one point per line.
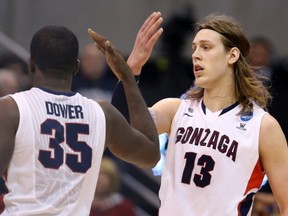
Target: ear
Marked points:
234	55
32	65
77	66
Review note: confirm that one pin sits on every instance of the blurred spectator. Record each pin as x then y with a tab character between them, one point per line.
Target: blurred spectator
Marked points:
94	79
107	201
2	206
8	82
18	66
261	55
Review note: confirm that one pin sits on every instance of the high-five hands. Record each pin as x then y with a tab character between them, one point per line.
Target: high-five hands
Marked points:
146	38
113	56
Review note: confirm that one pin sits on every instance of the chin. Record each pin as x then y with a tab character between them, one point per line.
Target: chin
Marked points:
199	82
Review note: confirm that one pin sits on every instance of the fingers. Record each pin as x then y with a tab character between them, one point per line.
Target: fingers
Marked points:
154	27
149	21
155	37
98	39
108	44
109	47
151	31
102	43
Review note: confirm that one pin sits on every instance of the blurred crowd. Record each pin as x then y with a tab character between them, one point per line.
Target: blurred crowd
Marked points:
169	74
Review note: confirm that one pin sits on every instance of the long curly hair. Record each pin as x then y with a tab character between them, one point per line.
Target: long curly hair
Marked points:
249	86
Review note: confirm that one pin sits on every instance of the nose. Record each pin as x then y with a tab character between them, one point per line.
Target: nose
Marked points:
195	54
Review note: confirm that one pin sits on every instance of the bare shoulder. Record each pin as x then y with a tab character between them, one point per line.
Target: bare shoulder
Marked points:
269	123
170	100
169	104
272	138
9	110
164	112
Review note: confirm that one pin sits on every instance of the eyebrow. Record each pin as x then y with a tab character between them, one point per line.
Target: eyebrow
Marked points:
202	41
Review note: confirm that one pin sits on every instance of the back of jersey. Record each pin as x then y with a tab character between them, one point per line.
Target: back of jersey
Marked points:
58	149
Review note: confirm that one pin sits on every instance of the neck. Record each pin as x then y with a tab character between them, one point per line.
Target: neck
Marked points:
218	100
52	83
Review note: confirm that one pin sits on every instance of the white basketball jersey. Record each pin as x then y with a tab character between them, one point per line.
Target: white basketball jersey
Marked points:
212	164
58	149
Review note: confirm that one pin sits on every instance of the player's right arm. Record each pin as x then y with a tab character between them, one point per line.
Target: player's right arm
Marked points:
9	120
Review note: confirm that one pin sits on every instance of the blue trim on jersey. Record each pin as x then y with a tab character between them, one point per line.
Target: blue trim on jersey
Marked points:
246	204
57	92
203	107
229	108
224	110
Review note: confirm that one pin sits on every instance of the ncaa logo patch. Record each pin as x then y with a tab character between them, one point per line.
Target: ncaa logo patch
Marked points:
246	116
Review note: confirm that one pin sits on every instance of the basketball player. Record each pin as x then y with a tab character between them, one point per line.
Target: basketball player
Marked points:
221	139
52	139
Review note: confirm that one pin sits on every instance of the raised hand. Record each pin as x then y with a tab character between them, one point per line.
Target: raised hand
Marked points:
146	38
113	56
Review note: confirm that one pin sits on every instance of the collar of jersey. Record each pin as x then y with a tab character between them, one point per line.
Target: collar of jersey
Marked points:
57	92
224	110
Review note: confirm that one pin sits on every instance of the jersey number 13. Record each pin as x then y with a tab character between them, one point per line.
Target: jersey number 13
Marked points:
204	177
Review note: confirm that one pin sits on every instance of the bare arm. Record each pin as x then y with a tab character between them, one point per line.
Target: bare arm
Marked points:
126	142
139	114
9	120
274	159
